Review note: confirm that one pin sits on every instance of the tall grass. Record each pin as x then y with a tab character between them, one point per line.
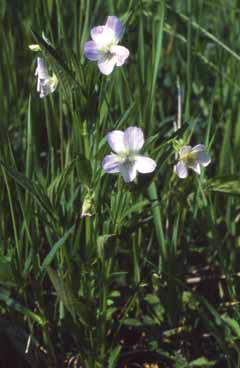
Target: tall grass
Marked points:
151	274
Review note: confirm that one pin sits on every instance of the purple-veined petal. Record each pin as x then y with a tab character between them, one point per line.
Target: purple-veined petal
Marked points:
115	141
128	171
121	54
145	164
111	164
107	65
116	26
91	51
181	170
41	70
133	139
195	167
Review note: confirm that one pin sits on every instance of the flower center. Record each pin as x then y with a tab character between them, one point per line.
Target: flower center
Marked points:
128	158
188	158
107	50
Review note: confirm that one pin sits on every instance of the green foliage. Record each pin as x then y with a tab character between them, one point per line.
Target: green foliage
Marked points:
92	269
226	184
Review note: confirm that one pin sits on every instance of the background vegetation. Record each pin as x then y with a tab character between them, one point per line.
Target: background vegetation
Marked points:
153	274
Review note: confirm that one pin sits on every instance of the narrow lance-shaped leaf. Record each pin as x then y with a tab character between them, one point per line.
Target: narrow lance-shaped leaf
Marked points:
49	258
225	184
34	189
78	307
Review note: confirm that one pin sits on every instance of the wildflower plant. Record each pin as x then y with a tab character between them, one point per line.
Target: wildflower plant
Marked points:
87	262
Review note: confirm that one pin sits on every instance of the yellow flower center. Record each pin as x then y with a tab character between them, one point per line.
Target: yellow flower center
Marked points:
188	158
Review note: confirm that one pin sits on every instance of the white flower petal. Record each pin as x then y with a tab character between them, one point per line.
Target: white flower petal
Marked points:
128	171
203	158
181	170
47	86
91	51
44	91
97	32
121	54
198	147
106	66
103	35
145	164
185	150
116	26
41	70
38	85
133	139
195	167
115	141
45	83
111	164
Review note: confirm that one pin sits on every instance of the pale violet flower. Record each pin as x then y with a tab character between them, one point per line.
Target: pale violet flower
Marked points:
191	158
46	84
125	158
104	46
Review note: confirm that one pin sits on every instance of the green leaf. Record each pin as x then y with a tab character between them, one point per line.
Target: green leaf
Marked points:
157	50
59	183
101	240
139	206
233	324
85	170
109	313
113	357
35	189
207	34
201	362
6	273
48	259
225	184
152	299
63	293
11	303
3	8
132	322
78	307
158	222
